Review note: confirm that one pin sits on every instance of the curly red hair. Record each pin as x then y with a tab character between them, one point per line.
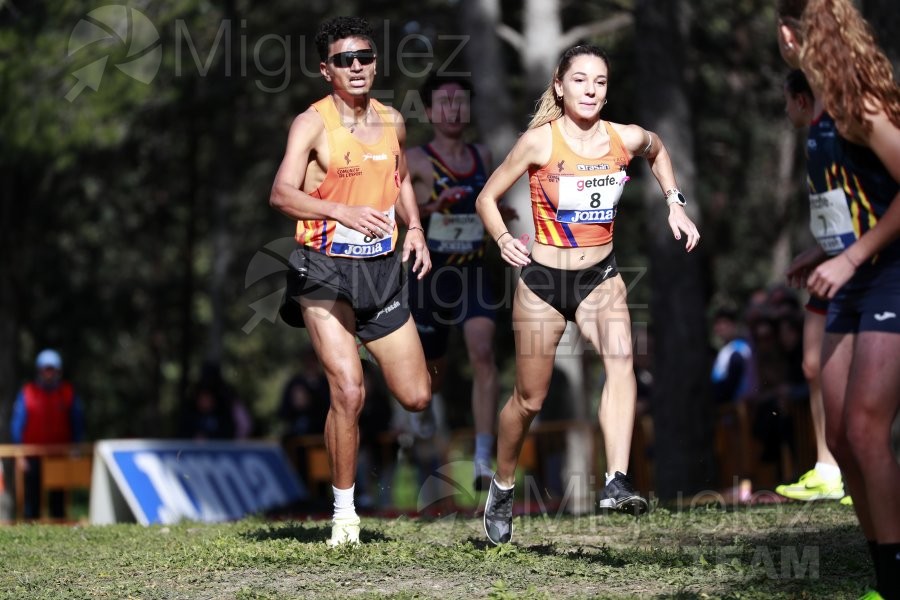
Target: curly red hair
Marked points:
843	62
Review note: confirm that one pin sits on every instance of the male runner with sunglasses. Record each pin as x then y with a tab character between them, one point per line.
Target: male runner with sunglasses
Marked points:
342	178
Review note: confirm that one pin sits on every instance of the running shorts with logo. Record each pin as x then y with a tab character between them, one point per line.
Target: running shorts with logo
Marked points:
376	289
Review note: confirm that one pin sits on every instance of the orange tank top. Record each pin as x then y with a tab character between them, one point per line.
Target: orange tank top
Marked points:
573	198
358	175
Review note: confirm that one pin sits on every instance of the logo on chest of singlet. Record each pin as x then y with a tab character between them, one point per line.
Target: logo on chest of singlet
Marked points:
603	167
346	172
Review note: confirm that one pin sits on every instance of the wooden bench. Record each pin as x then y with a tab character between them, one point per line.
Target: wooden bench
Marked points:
64	467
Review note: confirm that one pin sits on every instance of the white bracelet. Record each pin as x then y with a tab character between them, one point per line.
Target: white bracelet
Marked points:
649	143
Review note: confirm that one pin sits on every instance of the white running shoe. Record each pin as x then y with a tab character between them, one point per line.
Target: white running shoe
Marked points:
344	531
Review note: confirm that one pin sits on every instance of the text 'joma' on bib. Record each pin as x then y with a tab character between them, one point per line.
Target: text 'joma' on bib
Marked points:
351	243
830	221
454	233
589	199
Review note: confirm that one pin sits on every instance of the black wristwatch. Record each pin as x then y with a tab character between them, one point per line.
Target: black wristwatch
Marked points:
674	196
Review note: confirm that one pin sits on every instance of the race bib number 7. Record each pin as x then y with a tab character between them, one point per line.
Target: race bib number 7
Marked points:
589	199
454	233
830	221
353	244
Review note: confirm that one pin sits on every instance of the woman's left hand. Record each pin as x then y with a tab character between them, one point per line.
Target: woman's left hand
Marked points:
680	222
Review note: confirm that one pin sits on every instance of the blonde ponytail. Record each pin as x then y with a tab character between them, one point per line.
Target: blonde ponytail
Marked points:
549	107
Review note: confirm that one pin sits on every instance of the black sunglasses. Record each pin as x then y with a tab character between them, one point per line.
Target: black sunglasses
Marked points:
345	59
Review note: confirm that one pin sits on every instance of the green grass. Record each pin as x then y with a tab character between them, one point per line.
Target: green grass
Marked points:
782	551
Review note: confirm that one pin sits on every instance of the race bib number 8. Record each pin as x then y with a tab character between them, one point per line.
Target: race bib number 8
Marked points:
590	199
353	244
455	233
830	221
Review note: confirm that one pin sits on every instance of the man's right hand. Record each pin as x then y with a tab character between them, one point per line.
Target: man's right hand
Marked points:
365	220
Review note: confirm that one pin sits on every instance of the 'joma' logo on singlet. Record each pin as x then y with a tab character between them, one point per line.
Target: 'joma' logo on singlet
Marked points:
347	158
592	167
368	156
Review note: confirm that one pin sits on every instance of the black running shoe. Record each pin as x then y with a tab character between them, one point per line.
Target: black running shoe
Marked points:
619	495
498	514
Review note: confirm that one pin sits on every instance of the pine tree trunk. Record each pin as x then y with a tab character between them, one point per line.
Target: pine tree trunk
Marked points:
681	403
8	308
782	194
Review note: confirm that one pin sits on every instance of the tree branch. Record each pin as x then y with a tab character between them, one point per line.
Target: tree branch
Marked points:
597	28
511	36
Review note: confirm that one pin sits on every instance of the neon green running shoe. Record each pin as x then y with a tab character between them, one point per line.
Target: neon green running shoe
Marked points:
871	595
812	486
847	500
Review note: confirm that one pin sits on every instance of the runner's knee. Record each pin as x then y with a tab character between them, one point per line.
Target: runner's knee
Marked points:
811	364
868	436
528	402
619	365
481	355
348	396
415	397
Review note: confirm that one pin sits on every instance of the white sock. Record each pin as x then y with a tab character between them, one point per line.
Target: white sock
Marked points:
343	503
502	487
609	477
484	443
828	471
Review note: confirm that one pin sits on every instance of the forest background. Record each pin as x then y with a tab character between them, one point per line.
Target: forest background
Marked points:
139	141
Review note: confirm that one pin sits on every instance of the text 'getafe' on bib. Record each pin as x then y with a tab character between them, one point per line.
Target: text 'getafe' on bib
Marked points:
349	242
455	233
830	221
589	199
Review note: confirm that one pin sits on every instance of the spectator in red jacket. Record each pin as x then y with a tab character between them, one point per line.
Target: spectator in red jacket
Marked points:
46	411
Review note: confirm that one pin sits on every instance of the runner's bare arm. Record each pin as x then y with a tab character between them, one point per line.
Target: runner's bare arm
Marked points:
408	209
307	134
532	148
640	142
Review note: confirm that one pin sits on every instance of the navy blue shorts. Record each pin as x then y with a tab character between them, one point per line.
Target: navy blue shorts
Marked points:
868	302
448	296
